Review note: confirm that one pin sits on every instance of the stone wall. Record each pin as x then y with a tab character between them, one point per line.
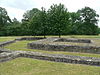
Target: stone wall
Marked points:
5	56
70	48
73	40
29	38
7	42
2	44
49	44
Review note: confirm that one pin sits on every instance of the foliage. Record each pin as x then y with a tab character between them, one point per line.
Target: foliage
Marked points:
75	22
54	21
89	20
59	19
4	20
30	14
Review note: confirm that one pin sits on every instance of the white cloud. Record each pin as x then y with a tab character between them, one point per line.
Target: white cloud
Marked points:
14	12
16	8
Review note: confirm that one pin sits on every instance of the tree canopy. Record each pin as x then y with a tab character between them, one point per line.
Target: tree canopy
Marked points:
89	20
57	20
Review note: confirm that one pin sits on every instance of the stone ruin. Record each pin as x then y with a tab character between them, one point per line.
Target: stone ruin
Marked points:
52	44
65	44
9	55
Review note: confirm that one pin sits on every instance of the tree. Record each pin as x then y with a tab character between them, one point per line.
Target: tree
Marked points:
89	21
15	21
43	21
75	21
38	24
14	28
35	26
30	21
25	28
59	19
4	20
30	13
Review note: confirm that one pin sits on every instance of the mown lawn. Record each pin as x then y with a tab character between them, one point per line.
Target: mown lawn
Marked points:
7	38
3	39
22	45
27	66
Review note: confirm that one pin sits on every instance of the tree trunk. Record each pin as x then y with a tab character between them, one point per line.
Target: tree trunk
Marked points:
59	35
44	34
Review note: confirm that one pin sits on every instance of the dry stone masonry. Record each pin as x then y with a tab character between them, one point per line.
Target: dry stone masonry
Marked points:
5	56
6	43
52	44
74	40
29	38
2	44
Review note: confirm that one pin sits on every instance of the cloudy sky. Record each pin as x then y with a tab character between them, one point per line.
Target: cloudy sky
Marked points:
16	8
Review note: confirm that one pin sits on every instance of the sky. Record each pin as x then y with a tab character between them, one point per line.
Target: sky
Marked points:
16	8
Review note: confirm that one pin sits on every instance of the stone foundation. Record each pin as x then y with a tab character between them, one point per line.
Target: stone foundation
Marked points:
50	44
5	56
2	44
29	38
74	40
6	43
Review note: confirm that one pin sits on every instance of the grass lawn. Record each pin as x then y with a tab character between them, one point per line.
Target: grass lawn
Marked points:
22	45
7	38
3	39
27	66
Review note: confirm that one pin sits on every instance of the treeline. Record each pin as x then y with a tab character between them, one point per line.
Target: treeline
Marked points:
57	20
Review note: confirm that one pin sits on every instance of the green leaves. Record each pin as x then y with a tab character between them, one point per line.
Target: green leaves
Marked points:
59	18
89	20
4	18
55	21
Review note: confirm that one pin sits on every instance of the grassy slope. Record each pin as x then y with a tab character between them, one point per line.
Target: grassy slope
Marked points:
26	66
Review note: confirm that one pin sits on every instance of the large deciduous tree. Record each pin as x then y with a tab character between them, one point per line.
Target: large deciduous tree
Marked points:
30	21
28	15
58	19
75	21
43	21
89	20
38	24
4	20
14	28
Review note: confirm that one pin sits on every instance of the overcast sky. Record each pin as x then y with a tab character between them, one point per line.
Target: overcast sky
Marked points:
16	8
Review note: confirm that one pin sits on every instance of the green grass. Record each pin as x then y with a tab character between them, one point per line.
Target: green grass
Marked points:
27	66
22	46
78	36
3	39
7	38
